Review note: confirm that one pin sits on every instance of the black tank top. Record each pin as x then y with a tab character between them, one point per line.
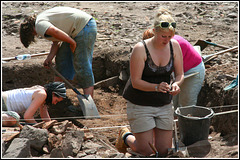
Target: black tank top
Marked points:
153	74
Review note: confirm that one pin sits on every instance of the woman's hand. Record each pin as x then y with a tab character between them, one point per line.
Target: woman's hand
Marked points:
164	87
175	89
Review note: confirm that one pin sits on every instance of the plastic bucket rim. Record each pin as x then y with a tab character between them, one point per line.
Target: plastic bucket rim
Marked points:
195	118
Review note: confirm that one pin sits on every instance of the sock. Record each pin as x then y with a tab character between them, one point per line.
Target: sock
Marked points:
125	137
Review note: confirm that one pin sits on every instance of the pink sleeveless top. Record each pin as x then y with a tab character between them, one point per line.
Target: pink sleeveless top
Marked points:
191	58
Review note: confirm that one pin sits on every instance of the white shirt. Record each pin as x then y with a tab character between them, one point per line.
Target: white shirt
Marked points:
19	100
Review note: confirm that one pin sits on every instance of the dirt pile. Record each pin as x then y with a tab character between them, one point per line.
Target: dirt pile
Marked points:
120	27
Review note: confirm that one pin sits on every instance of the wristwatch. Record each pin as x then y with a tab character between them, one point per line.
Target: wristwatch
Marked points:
156	88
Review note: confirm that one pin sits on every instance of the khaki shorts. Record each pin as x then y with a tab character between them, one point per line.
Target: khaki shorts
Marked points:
144	118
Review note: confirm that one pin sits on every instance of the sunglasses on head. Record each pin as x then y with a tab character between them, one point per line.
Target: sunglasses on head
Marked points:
167	24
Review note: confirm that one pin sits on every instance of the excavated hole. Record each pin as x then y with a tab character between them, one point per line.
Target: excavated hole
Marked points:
26	74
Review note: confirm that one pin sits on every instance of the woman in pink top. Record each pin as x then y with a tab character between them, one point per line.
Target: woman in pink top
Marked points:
192	63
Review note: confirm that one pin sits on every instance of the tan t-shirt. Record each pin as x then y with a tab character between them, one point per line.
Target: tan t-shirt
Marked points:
70	20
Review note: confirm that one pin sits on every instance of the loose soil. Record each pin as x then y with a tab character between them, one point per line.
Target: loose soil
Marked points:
120	27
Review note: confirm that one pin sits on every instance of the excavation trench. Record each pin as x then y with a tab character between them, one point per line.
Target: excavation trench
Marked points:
107	68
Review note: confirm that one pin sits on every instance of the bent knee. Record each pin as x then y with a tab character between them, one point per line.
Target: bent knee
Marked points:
8	121
163	151
144	151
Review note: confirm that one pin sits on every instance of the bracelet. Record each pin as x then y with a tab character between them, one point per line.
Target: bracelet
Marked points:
156	88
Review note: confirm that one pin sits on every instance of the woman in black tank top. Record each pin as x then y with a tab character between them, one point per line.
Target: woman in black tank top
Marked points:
151	86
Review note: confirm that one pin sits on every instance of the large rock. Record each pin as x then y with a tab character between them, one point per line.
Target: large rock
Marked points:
38	137
72	143
19	148
3	147
56	153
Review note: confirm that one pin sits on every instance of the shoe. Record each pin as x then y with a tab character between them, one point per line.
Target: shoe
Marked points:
120	145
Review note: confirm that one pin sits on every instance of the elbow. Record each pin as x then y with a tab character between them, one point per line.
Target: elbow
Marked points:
134	84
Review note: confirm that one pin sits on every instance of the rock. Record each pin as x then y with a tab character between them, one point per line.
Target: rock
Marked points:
90	144
90	156
39	125
60	127
56	153
88	136
54	141
19	148
3	147
232	15
47	125
80	155
38	137
199	149
72	142
91	151
120	155
233	153
46	149
123	75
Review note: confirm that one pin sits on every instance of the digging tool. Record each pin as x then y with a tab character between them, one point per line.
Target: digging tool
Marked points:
190	75
207	58
32	55
86	102
177	149
204	43
176	143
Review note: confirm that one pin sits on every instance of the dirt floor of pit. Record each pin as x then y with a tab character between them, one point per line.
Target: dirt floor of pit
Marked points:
120	27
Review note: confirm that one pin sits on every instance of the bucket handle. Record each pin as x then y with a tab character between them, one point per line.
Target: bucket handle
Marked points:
211	115
197	118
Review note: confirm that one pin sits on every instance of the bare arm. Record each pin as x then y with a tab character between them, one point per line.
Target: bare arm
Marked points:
44	113
52	54
178	68
62	36
38	100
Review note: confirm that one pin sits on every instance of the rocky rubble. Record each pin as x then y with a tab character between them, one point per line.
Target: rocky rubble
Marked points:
57	140
62	140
